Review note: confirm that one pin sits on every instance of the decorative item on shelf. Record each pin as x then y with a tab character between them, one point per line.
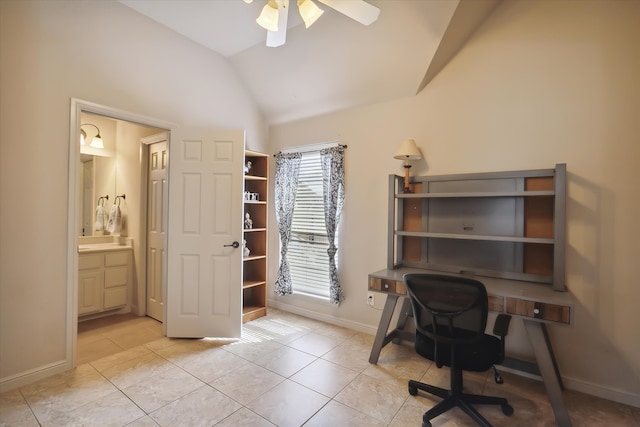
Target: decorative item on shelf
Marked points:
245	250
248	222
247	167
408	151
251	197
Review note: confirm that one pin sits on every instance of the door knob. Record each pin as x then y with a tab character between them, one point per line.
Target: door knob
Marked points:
235	245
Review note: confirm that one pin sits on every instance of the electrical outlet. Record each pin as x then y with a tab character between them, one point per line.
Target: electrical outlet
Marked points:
370	299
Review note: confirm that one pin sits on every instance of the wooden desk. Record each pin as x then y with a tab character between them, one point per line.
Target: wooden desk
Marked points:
538	305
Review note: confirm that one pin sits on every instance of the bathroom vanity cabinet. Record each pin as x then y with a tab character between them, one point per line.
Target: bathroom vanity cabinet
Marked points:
104	280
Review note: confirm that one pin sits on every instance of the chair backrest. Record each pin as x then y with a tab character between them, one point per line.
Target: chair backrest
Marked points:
448	309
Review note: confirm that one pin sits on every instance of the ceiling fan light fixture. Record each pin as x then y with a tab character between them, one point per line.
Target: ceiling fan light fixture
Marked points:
309	12
268	18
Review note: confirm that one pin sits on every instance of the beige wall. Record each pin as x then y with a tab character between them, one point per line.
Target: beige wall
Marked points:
101	52
542	82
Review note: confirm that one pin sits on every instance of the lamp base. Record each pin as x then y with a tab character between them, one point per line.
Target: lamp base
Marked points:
407	187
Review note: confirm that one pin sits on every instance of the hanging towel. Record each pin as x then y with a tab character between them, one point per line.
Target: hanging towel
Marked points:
100	218
115	220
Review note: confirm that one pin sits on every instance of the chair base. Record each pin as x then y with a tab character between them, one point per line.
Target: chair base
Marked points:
461	400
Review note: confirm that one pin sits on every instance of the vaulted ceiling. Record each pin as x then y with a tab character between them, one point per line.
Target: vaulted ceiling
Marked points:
335	64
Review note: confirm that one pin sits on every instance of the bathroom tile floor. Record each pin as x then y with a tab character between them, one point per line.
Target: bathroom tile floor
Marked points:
287	370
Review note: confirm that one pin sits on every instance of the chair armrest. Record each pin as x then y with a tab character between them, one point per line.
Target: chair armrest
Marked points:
501	326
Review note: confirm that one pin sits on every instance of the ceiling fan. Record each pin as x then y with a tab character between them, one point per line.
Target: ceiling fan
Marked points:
274	15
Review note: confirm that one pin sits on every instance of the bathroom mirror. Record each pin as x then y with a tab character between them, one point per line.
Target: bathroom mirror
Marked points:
97	171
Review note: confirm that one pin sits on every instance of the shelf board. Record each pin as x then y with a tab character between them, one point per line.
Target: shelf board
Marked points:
516	239
249	153
250	230
251	308
252	283
254	202
475	194
252	312
253	257
255	178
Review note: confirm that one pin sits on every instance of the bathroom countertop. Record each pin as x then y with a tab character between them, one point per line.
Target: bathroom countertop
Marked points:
104	243
102	247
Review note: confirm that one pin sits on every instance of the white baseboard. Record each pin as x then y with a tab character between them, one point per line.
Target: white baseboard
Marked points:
569	383
604	392
27	377
356	326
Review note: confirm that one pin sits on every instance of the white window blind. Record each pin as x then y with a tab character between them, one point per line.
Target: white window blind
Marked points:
308	259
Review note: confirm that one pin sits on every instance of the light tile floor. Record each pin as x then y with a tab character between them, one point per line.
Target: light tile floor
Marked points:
287	370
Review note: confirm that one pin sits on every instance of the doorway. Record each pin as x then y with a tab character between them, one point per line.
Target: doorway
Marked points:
203	272
129	176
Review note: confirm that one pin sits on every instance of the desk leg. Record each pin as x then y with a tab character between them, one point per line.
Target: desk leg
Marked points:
402	318
383	327
549	370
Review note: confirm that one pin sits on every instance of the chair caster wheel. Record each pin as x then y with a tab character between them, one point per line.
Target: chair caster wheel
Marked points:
413	391
507	409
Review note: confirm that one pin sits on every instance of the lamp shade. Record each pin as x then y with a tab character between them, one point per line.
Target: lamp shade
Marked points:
408	151
268	18
309	12
97	142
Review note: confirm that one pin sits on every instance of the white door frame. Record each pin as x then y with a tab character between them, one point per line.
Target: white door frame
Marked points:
79	106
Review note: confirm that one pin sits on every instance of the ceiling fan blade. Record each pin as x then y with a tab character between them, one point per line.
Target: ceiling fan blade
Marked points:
358	10
278	38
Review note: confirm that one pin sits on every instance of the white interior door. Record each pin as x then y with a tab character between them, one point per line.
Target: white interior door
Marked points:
204	272
88	206
156	227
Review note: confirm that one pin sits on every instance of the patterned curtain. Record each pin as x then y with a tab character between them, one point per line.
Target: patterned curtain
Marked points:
333	187
287	170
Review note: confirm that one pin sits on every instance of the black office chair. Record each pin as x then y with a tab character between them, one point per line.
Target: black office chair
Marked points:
450	314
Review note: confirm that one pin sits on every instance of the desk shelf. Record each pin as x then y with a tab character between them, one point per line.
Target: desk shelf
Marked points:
518	239
475	195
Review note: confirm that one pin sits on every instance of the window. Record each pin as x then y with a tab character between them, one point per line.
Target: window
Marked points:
299	194
308	246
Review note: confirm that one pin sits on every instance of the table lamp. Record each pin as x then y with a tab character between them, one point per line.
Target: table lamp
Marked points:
408	151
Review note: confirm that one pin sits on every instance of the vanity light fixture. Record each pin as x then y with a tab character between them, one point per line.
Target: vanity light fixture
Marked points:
97	140
408	151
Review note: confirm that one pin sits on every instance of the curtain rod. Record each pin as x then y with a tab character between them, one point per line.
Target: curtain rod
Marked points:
312	147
